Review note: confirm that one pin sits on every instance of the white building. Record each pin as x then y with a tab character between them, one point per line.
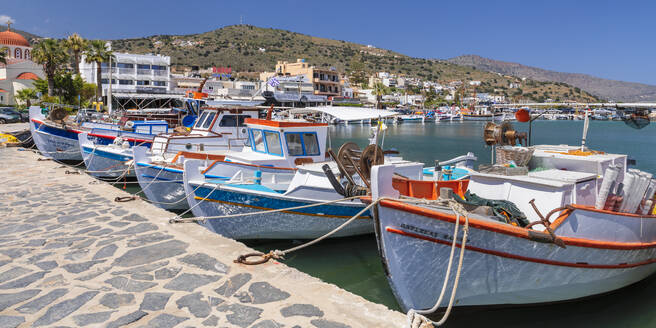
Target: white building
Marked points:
131	73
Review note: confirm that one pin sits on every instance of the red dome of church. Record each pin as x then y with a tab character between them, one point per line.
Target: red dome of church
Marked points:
9	38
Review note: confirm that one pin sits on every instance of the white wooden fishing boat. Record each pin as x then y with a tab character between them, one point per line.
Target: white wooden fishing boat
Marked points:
284	167
600	237
159	168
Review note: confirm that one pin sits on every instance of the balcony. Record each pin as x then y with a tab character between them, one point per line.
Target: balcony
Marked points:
105	70
316	79
160	72
144	72
126	70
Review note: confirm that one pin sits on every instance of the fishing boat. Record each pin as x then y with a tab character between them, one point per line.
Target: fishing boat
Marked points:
159	168
285	166
564	229
481	113
114	160
56	136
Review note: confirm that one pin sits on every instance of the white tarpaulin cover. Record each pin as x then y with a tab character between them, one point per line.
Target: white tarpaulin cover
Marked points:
346	113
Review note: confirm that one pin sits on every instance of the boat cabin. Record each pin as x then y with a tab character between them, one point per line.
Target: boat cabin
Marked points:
215	130
282	143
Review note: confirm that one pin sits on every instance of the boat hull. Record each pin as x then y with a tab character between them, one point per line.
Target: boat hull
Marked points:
161	185
54	142
297	224
105	162
499	268
483	118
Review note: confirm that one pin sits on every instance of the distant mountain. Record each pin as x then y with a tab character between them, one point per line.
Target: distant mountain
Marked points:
29	36
604	88
250	49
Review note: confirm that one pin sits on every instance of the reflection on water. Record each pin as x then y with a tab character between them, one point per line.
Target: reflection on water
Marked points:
353	263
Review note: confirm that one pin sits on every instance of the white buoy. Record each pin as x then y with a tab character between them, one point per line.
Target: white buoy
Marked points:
609	177
629	179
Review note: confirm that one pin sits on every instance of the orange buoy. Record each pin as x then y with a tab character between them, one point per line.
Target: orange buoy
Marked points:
522	115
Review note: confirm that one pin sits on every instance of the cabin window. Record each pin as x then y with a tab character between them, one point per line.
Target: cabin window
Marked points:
294	144
302	143
258	141
311	144
199	123
273	143
209	120
232	120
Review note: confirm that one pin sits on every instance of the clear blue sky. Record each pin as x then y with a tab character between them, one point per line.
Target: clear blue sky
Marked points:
609	39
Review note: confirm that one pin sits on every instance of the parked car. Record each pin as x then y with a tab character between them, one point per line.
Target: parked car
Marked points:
10	115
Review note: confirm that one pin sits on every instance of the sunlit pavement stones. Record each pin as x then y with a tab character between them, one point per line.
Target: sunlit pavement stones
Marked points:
70	256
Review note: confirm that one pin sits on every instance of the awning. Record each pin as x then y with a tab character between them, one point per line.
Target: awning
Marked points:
233	102
286	97
346	113
314	98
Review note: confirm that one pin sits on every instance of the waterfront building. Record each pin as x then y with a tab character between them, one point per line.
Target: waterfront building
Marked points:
20	71
326	82
131	73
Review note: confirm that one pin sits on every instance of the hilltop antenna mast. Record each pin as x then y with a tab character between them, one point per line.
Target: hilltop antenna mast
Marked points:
241	19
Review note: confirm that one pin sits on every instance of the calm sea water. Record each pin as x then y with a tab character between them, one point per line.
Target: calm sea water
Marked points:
353	263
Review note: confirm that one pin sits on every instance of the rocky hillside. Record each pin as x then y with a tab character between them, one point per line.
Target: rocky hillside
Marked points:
608	89
252	49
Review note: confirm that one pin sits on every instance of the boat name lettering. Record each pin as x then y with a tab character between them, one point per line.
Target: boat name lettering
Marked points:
426	232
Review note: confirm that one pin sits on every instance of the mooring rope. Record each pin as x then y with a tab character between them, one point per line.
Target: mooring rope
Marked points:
198	219
415	318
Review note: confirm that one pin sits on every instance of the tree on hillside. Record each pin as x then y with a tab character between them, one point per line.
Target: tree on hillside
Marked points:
98	53
3	55
357	71
26	95
77	45
52	55
379	90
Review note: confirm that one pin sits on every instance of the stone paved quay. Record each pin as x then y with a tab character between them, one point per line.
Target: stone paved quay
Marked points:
70	256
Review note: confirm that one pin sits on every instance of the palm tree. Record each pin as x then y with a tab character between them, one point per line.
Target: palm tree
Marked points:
379	90
77	45
3	55
98	53
52	55
26	95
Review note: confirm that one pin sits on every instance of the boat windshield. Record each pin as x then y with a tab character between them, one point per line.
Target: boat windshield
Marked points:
273	143
258	141
302	143
202	117
209	120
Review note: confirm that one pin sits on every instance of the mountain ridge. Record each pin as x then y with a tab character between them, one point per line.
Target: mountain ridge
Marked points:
249	49
606	88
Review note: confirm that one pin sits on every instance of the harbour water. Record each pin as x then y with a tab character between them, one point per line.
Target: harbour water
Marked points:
353	263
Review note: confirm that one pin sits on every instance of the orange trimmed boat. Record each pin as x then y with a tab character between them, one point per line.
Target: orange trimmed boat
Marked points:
599	237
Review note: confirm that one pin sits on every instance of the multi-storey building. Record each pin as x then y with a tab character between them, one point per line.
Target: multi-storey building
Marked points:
131	73
326	82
